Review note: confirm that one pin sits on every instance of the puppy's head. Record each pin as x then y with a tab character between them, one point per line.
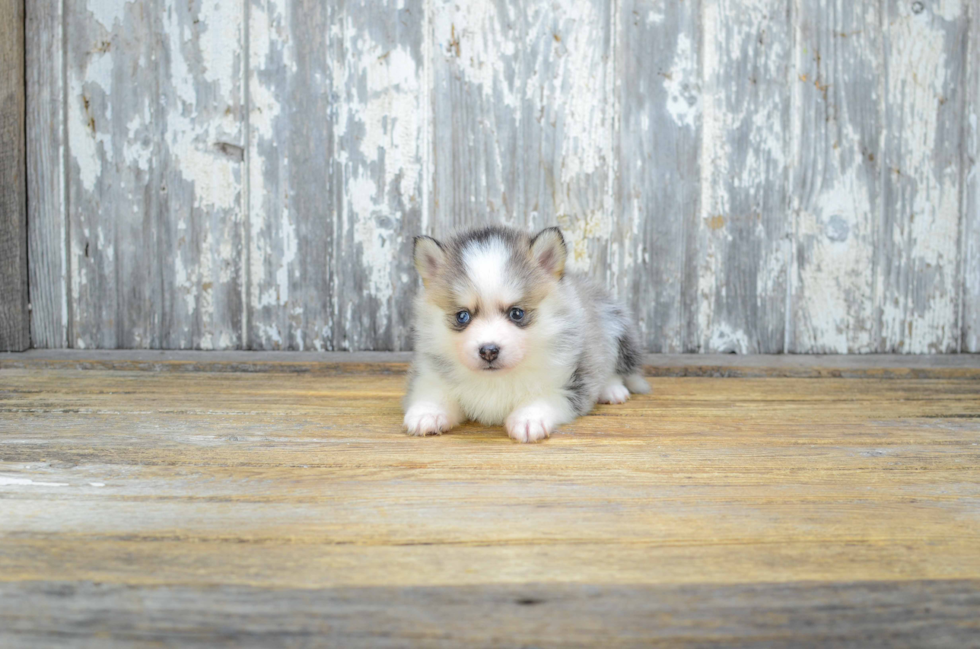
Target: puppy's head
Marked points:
483	290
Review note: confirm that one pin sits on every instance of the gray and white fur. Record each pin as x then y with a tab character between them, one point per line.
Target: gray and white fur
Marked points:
503	335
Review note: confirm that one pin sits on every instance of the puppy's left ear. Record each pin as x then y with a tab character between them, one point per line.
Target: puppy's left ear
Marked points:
548	250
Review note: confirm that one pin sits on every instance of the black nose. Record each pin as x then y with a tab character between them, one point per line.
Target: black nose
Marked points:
489	352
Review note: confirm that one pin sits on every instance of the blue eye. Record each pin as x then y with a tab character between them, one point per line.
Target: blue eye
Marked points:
516	314
463	317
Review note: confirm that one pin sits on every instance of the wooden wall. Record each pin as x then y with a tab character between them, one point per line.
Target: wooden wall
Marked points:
749	175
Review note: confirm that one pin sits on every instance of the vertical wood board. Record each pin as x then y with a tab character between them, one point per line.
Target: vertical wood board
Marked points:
155	161
14	316
292	188
917	283
47	208
836	184
336	179
658	191
745	228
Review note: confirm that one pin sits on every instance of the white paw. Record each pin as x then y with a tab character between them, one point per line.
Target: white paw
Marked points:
530	424
426	419
614	392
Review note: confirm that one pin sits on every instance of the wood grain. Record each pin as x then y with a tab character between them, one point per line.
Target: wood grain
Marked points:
744	251
47	220
167	506
14	315
381	134
294	185
658	68
336	127
155	144
918	241
837	176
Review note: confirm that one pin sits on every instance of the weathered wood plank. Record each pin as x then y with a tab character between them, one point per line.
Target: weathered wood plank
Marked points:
137	509
836	186
381	134
155	155
917	279
854	614
14	316
523	112
336	177
47	210
970	230
744	249
294	184
658	81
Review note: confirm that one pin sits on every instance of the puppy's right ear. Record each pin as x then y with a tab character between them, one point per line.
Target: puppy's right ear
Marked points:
430	258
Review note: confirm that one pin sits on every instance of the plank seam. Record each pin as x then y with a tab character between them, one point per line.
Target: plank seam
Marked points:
246	203
690	233
877	235
25	186
615	107
795	162
427	123
69	306
962	229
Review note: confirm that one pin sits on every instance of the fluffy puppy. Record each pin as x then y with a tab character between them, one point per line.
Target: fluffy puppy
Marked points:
503	335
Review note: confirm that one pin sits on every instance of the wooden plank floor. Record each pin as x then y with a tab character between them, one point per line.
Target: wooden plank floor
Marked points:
286	509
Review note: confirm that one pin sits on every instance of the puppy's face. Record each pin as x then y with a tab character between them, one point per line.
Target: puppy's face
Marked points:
485	288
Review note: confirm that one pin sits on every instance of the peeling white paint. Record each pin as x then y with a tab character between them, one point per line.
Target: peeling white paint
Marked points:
375	241
916	318
838	270
744	195
192	134
655	17
682	85
290	246
725	339
383	97
472	35
88	139
107	12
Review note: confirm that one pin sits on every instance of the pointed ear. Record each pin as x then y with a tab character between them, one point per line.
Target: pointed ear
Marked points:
548	251
429	258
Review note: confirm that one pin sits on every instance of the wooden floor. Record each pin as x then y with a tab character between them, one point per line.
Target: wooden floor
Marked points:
247	508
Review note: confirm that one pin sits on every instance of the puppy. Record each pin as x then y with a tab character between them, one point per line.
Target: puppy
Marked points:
503	335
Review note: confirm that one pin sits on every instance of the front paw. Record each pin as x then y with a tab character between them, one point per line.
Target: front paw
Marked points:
614	392
530	424
426	419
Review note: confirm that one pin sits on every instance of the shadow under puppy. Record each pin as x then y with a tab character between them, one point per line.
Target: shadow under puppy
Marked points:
503	335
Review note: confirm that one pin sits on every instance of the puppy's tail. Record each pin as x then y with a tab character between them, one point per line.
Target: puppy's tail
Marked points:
636	384
629	362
